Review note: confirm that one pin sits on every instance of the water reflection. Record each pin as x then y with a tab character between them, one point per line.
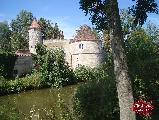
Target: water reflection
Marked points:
39	99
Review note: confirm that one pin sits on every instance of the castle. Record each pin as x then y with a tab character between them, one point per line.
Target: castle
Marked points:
85	49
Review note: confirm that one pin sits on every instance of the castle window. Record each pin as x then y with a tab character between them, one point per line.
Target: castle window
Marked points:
78	65
81	46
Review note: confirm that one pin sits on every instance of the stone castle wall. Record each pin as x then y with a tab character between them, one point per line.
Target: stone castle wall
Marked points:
35	37
23	65
84	49
90	54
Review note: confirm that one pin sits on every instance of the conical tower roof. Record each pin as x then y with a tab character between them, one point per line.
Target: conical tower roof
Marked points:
85	34
35	24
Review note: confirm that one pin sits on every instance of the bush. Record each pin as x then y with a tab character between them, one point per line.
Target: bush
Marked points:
102	72
7	62
84	74
9	113
19	84
54	71
96	100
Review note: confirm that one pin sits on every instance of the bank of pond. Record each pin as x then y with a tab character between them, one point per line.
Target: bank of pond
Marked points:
38	104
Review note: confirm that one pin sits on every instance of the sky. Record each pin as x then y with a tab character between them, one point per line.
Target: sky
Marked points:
64	12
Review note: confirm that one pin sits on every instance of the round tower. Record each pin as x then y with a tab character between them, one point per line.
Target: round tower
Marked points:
35	36
86	48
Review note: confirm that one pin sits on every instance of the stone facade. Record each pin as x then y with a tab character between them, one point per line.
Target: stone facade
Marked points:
23	64
85	49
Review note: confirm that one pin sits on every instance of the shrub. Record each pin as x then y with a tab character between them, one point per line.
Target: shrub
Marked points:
54	71
7	62
102	72
84	74
9	113
96	100
19	84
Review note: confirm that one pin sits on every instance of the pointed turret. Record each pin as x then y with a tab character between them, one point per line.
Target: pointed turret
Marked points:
35	36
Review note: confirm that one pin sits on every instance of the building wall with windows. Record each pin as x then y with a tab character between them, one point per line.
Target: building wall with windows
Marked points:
87	53
85	49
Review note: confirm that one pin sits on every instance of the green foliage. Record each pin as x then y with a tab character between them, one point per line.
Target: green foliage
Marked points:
143	63
48	30
7	62
8	113
65	112
100	11
52	67
96	100
153	31
19	84
20	26
127	21
140	10
5	34
83	74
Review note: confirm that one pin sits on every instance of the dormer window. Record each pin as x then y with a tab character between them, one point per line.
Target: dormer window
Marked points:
81	46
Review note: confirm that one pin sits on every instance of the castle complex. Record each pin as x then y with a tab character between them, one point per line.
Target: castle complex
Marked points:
85	49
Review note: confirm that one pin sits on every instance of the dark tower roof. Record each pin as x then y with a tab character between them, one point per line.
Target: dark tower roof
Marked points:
85	34
34	24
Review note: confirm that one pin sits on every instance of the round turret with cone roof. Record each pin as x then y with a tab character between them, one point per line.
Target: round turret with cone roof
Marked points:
86	48
35	36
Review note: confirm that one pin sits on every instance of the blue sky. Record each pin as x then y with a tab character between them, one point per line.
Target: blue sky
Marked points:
65	12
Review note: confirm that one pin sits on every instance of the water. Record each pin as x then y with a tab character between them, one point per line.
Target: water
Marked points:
40	99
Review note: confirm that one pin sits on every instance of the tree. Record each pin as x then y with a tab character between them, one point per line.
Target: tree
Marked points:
143	63
20	26
127	21
49	30
153	31
105	15
5	37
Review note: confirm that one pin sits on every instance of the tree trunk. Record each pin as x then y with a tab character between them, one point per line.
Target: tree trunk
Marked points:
124	89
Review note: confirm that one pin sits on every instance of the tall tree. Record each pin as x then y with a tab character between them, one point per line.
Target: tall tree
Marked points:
5	33
105	15
50	30
20	27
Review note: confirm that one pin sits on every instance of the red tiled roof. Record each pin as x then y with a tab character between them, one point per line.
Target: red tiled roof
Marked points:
34	24
85	34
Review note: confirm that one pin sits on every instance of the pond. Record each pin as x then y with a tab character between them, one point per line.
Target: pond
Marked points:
24	102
